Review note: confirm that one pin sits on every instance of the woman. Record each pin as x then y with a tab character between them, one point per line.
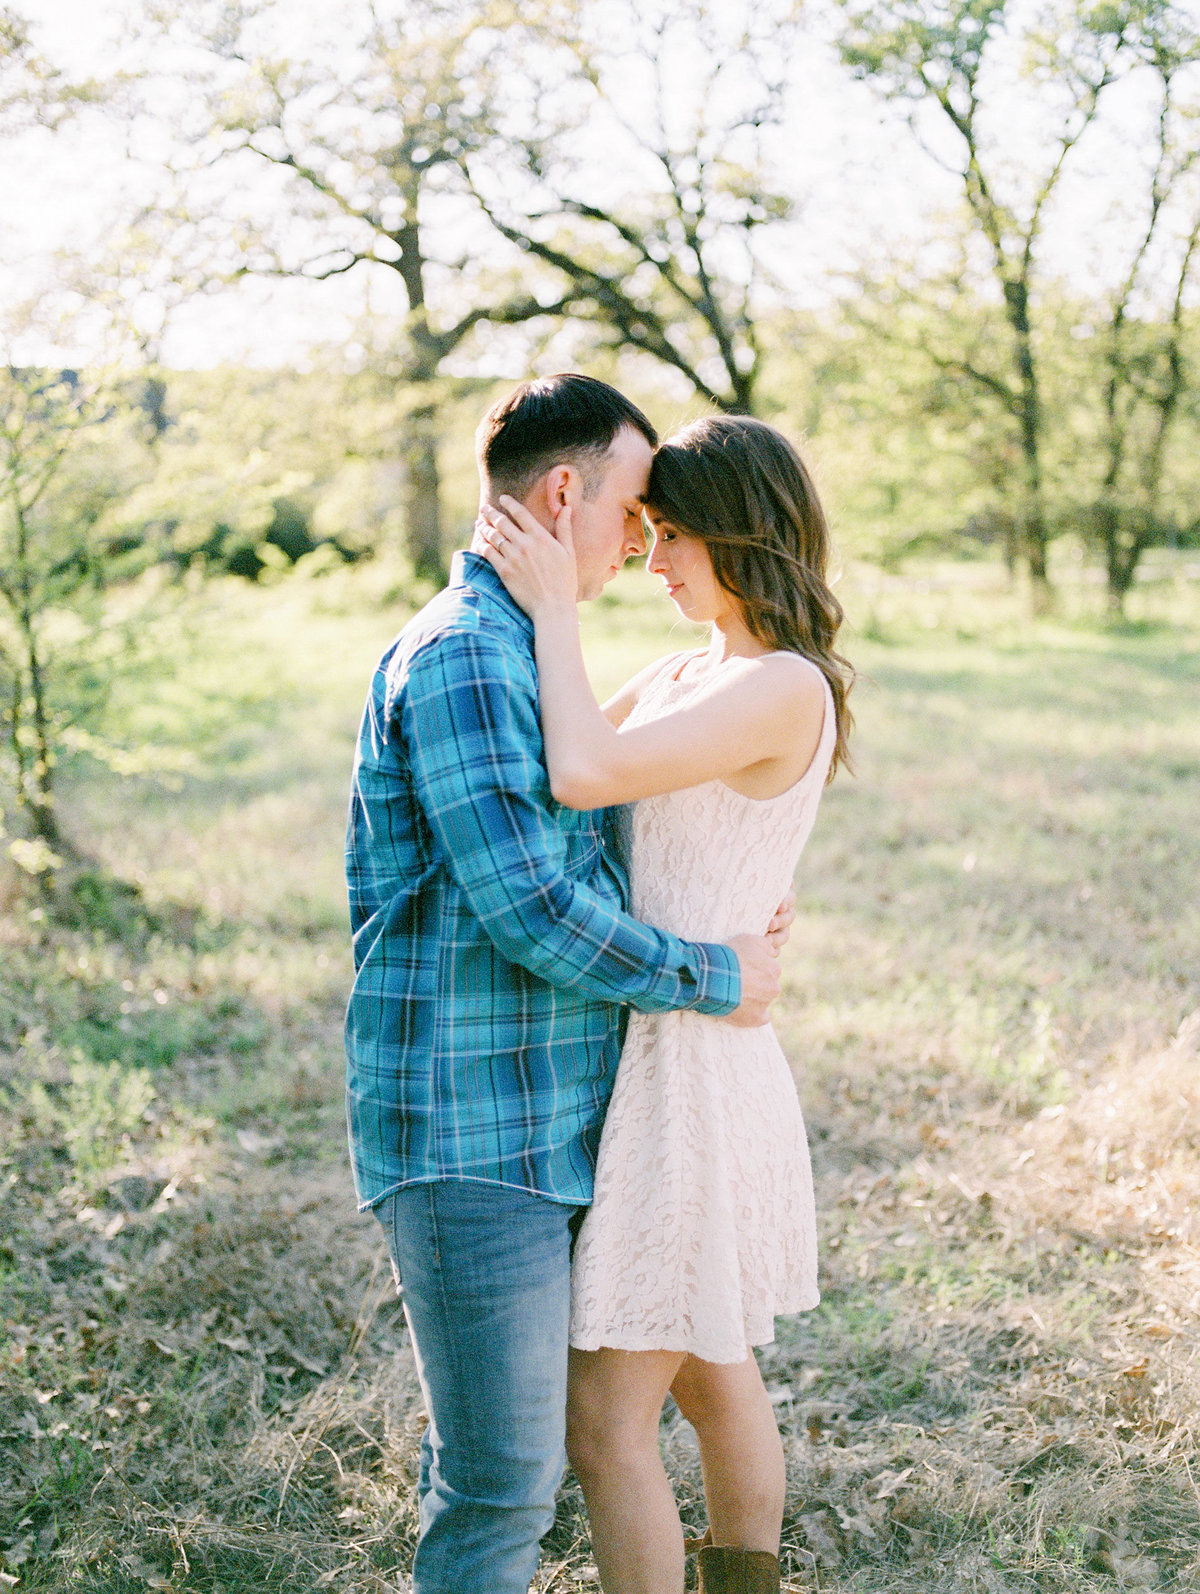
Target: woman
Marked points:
703	1227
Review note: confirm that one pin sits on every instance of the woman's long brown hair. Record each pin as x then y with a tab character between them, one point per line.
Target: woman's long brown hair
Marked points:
740	486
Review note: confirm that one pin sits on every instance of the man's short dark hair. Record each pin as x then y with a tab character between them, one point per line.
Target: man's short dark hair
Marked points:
555	420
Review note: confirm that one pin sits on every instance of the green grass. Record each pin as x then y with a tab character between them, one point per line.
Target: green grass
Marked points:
990	999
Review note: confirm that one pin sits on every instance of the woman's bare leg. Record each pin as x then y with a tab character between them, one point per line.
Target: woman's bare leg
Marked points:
741	1453
614	1402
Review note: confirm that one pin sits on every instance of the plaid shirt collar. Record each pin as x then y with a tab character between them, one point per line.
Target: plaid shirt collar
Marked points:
472	570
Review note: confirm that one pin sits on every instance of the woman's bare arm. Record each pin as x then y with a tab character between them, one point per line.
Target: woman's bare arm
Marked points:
621	704
752	712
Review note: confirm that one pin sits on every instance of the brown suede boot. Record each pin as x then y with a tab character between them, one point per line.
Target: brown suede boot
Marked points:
728	1571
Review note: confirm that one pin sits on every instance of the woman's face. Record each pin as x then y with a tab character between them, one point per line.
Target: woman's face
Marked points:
684	564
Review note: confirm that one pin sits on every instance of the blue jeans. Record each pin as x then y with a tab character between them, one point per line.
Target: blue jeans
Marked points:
485	1276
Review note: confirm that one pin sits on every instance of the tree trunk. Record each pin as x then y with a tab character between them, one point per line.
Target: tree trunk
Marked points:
422	496
1035	554
1033	517
418	446
36	784
1011	546
1108	522
29	728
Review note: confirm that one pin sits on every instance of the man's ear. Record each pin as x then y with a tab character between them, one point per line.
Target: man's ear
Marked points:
551	493
562	487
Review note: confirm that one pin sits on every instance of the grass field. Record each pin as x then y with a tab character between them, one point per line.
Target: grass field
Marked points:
993	1008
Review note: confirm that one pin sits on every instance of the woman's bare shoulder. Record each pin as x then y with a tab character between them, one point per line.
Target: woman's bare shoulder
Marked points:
789	676
801	674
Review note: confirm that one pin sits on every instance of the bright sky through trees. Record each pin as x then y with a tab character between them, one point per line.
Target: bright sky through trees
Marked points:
860	184
865	188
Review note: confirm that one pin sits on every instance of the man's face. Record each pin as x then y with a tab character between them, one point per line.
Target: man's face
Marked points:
608	524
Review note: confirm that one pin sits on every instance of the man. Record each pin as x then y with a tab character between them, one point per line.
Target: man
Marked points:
493	956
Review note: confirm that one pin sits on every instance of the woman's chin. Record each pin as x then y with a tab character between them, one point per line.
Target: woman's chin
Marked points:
687	611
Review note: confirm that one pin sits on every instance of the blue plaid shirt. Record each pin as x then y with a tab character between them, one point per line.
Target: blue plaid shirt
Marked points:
491	945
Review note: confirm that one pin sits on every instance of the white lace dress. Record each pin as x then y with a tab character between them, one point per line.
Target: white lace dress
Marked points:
703	1226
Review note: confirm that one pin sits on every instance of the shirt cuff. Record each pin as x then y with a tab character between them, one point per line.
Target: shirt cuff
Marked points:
718	981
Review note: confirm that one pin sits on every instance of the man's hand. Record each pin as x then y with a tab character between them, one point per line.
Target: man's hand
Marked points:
759	963
780	926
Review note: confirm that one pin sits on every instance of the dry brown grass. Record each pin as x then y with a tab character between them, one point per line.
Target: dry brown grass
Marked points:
1006	1384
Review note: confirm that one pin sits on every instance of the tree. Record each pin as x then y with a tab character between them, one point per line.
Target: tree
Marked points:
684	98
57	482
940	53
257	468
1146	373
908	447
369	161
33	91
47	512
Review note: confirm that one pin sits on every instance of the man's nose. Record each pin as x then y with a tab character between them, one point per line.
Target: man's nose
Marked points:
635	542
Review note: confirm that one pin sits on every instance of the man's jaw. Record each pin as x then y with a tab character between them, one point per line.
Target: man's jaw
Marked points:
592	586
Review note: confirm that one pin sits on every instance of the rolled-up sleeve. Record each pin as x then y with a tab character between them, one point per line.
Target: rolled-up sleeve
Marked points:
469	729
